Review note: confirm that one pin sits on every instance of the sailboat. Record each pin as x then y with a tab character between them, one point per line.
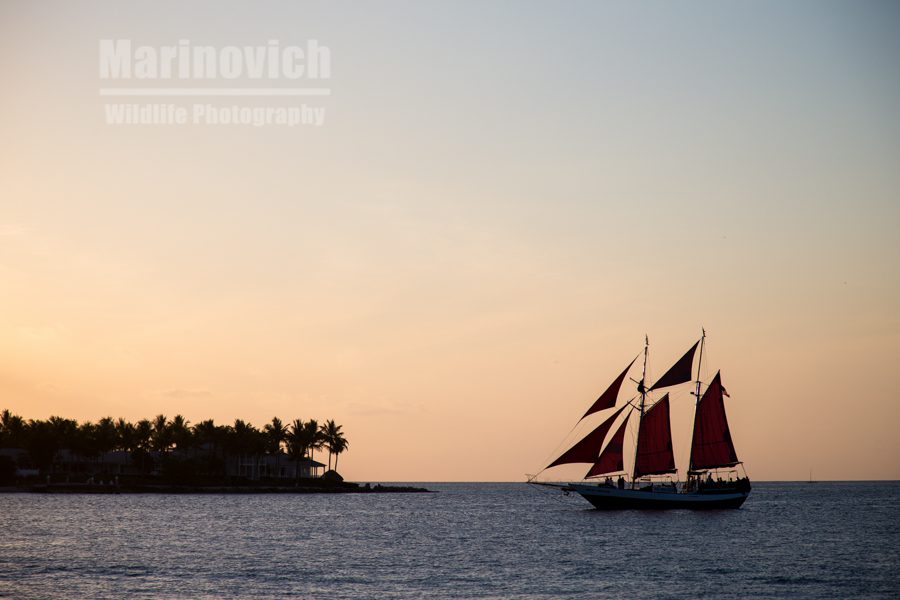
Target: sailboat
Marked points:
715	478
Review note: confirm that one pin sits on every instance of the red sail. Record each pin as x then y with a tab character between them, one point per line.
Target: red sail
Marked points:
608	398
654	447
610	460
680	371
712	446
588	448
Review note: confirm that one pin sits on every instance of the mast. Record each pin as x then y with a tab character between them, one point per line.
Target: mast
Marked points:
643	391
697	394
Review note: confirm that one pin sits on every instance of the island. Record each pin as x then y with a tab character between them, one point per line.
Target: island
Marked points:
163	455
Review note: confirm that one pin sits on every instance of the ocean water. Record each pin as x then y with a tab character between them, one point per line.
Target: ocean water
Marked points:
801	540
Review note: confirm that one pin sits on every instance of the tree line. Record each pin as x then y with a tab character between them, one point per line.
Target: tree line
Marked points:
162	436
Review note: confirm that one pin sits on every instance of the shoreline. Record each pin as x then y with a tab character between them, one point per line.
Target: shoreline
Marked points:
83	488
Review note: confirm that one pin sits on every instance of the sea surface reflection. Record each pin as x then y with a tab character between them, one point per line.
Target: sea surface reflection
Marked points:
466	541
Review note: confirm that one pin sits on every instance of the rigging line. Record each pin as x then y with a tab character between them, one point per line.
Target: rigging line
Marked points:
563	443
555	450
566	437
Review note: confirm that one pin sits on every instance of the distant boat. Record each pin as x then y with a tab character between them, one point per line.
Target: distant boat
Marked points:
712	478
810	478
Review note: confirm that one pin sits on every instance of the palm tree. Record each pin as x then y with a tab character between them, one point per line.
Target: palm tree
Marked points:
298	442
161	438
331	434
162	434
105	438
105	432
12	430
340	445
126	436
246	440
211	438
314	437
45	438
65	430
205	432
276	432
42	442
181	433
143	441
84	441
143	435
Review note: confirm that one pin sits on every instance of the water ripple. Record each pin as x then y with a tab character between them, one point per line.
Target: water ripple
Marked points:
468	541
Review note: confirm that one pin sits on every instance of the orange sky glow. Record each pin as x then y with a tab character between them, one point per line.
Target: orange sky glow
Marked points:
500	203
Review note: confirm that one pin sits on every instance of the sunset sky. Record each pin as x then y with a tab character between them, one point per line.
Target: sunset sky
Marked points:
503	199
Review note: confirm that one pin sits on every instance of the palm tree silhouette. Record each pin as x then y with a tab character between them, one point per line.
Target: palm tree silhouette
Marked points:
84	441
105	433
43	440
247	441
143	439
126	436
105	438
205	434
313	436
340	445
180	433
331	434
161	439
276	432
297	444
12	430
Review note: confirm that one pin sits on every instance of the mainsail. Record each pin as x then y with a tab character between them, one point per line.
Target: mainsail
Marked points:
712	446
654	446
610	460
588	448
680	371
608	398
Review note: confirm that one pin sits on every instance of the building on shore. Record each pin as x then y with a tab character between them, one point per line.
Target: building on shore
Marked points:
203	461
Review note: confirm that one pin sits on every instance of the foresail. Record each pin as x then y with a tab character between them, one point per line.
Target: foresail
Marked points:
608	398
680	371
654	447
610	460
712	446
588	448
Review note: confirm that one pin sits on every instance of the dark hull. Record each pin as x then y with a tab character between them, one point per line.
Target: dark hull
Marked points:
606	498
